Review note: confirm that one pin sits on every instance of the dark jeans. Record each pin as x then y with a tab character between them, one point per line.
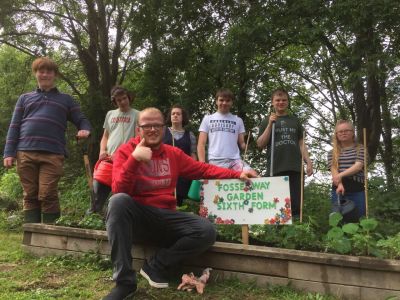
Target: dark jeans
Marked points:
180	235
357	197
295	189
101	193
182	189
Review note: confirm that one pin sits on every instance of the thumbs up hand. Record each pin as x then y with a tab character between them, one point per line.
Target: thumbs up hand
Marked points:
141	152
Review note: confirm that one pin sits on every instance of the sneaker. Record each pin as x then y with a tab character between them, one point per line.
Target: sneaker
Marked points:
121	292
155	279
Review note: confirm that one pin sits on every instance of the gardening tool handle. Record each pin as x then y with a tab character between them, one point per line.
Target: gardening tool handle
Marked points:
340	198
271	171
86	161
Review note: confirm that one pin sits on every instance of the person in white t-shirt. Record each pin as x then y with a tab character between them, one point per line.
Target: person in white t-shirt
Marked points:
225	133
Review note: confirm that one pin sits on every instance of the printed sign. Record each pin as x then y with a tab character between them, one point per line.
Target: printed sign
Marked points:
231	201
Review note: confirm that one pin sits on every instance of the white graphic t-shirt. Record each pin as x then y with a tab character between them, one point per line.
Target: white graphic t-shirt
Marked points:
223	131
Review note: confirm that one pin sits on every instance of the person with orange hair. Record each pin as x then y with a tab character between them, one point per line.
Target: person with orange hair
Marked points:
346	161
36	140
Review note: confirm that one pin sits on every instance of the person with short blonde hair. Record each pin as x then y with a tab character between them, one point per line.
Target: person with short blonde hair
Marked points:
346	162
36	140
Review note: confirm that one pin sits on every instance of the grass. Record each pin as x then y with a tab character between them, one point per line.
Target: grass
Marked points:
23	276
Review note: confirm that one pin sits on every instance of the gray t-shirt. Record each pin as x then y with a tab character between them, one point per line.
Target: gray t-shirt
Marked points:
120	126
287	155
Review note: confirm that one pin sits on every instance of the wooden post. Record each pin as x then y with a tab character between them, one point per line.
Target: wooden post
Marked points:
245	234
173	145
88	170
365	171
245	227
302	178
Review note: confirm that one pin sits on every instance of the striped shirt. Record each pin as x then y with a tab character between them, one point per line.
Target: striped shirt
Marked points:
40	120
347	158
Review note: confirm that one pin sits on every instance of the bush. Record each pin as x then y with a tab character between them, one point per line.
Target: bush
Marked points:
75	197
301	236
11	221
385	206
390	247
10	186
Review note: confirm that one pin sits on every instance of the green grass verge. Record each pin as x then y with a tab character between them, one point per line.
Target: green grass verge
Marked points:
24	277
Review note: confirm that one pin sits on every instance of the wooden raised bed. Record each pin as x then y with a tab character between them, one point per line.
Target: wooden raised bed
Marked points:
348	277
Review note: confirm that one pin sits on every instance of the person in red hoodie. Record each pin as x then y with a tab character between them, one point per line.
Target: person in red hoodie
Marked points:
143	207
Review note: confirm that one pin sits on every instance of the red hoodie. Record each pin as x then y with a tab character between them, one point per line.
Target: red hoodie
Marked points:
153	183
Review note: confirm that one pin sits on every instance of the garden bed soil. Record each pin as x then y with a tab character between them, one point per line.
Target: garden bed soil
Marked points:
347	277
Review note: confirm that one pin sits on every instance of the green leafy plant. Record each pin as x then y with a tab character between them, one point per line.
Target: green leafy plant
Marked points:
11	220
390	247
92	221
358	239
301	236
75	197
10	186
335	239
266	235
229	233
89	261
385	206
363	237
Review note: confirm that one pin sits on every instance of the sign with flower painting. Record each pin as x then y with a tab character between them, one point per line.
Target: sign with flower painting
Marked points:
231	201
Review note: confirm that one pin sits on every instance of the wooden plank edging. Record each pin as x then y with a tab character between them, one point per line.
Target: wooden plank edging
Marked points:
239	249
347	277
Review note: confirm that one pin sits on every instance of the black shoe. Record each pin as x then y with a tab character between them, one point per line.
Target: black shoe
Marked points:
154	278
121	292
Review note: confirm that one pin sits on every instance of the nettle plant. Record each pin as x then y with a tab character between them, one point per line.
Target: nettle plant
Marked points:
355	238
390	247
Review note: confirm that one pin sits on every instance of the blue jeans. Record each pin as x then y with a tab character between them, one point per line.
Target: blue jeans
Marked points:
357	197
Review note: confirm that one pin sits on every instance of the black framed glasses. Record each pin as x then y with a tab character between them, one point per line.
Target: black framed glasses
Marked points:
148	127
344	131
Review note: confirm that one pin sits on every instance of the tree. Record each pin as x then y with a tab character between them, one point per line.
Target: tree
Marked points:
93	32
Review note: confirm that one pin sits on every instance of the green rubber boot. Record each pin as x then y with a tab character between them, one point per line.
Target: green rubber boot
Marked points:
50	218
32	216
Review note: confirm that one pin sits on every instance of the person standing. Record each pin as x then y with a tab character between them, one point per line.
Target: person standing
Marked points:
176	135
225	133
346	162
119	126
143	206
288	145
36	141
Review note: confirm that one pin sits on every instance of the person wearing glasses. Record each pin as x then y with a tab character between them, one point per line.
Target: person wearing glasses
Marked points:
176	135
119	126
143	206
346	162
